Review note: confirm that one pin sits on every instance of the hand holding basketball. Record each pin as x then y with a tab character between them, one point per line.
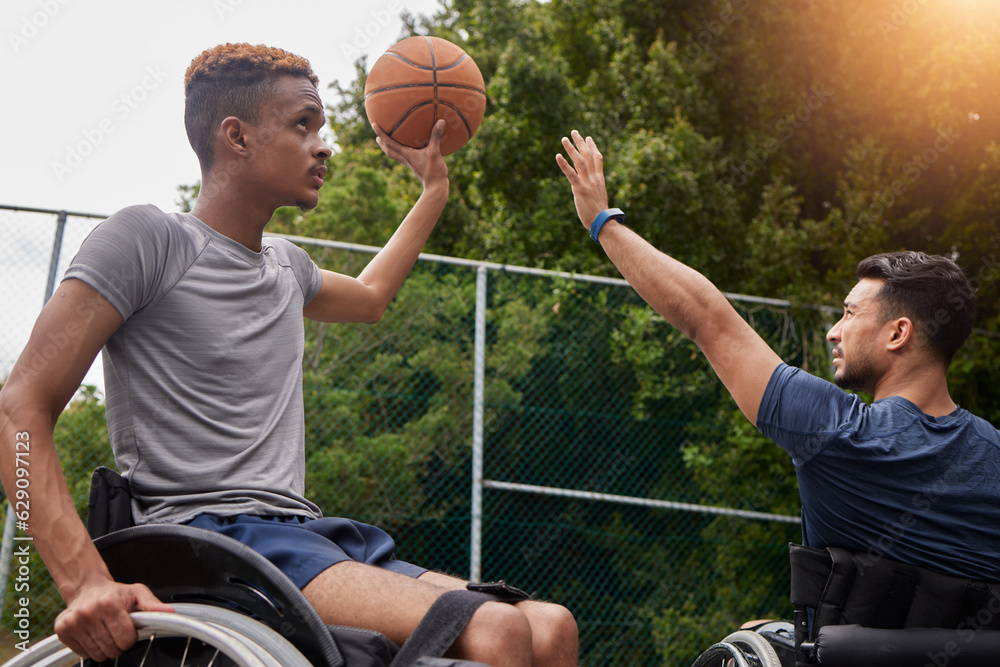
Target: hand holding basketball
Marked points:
420	80
427	165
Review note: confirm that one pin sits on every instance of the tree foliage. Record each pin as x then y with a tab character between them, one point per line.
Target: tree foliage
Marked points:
770	145
737	135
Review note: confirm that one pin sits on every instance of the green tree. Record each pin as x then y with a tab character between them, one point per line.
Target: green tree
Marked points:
768	145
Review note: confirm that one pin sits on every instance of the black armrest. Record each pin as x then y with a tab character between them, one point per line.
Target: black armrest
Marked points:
856	646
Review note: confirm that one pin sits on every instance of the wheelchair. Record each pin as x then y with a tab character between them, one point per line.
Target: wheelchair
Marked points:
856	609
234	608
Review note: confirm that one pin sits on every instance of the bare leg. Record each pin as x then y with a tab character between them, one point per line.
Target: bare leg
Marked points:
363	596
554	635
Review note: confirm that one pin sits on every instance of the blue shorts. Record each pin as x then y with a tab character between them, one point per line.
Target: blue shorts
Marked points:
303	547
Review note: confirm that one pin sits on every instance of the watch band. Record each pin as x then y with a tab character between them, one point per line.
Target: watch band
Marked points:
602	217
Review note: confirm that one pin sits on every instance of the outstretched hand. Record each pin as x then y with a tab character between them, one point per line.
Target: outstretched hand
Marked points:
427	163
585	175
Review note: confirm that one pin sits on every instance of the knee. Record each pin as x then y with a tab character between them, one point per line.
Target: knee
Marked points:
498	631
555	635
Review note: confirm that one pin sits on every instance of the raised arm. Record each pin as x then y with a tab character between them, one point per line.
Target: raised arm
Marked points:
363	299
684	297
71	329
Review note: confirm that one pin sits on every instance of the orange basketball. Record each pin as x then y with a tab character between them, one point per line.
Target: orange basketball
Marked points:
419	80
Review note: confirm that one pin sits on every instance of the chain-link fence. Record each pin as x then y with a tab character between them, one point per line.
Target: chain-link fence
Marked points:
506	423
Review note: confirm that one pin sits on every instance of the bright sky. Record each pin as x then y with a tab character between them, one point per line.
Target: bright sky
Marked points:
93	102
94	97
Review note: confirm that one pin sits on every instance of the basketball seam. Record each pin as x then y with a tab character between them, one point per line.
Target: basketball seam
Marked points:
458	112
461	116
407	115
402	86
430	47
425	67
435	100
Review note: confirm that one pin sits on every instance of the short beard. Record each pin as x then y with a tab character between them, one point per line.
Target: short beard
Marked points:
858	376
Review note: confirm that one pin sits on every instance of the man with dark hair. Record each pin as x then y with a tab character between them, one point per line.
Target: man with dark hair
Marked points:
200	320
931	290
233	80
911	477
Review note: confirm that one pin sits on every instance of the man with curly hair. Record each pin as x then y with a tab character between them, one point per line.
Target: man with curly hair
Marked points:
200	321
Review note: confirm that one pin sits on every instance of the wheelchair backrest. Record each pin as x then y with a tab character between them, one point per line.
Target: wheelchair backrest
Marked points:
843	588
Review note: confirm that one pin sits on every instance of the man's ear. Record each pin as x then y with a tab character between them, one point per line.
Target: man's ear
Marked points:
901	333
233	135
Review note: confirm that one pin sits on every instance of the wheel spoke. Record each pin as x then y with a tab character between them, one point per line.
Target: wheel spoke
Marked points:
149	645
219	632
187	647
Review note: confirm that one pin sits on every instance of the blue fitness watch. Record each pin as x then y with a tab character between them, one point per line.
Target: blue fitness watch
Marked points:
602	217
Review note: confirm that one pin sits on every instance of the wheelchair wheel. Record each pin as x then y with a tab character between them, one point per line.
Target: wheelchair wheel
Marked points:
721	655
744	648
259	635
757	647
195	636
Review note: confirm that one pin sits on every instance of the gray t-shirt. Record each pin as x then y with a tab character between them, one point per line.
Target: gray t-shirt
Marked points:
204	377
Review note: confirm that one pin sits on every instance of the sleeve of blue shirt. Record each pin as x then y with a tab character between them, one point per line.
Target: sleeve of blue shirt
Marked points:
802	413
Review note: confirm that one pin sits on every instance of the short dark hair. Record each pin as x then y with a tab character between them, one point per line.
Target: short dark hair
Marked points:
233	80
931	290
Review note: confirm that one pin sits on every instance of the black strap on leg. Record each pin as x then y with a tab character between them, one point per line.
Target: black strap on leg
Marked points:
500	590
440	626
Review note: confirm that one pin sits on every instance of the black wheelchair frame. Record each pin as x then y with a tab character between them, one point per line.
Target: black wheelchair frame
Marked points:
856	609
239	607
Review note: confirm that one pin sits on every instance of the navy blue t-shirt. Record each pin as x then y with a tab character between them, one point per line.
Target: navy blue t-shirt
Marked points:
886	479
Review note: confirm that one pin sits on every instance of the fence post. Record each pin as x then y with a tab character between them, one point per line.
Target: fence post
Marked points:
54	261
475	556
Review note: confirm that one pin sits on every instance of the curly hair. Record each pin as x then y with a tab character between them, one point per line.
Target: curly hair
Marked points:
929	289
233	80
